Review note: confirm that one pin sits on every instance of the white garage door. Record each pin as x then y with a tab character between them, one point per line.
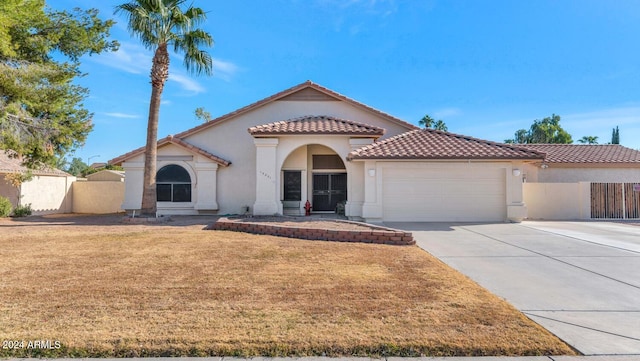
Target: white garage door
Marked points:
441	195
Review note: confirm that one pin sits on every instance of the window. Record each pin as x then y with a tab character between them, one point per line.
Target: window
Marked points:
173	184
332	161
292	185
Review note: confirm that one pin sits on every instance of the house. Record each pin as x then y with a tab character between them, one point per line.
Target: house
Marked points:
49	191
311	143
580	181
571	163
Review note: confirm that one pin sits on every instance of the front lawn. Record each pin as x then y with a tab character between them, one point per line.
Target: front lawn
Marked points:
135	290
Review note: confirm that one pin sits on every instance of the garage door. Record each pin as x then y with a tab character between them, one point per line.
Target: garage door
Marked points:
441	195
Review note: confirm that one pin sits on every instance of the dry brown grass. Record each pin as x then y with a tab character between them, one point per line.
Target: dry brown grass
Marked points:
135	290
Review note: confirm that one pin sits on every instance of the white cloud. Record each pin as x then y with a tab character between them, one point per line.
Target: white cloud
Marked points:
131	58
342	12
604	117
601	122
224	69
122	115
187	83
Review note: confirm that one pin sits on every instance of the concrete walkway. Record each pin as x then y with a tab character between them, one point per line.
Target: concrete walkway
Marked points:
579	280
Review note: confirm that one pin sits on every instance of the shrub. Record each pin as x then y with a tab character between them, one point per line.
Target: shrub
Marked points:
5	207
22	211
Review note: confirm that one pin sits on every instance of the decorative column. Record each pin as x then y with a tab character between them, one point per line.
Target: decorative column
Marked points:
266	177
372	207
516	209
355	180
206	186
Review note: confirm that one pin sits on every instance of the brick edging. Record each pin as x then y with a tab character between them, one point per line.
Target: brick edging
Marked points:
378	235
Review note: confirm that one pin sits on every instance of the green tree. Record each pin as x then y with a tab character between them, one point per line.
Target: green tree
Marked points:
426	121
429	123
546	131
77	167
158	25
615	136
588	139
440	125
202	114
41	112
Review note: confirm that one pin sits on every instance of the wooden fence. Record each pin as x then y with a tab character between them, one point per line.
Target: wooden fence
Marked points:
615	200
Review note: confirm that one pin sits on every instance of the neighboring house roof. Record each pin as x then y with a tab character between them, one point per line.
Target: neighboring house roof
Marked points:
98	165
317	124
176	141
435	144
106	174
14	165
586	153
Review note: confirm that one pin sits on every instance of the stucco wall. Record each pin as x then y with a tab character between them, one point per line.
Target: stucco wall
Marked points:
237	183
230	140
587	173
557	201
48	194
8	191
98	197
192	163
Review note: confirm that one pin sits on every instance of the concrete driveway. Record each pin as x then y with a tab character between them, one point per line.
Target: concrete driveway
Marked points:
579	280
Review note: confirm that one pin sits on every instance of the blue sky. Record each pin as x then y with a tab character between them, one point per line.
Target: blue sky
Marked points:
487	68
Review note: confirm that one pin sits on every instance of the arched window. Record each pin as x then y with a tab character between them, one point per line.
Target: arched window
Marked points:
173	184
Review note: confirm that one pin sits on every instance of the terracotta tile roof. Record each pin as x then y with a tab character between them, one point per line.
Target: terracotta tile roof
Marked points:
586	153
317	124
272	98
435	144
286	92
173	140
14	165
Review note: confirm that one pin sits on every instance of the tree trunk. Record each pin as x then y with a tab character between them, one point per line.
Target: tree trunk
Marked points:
159	75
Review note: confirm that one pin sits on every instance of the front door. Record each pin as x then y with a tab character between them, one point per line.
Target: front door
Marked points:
329	189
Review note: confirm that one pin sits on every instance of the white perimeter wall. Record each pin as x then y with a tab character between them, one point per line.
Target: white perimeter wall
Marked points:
48	194
587	173
558	201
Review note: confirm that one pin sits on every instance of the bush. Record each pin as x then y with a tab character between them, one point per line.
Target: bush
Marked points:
22	211
5	207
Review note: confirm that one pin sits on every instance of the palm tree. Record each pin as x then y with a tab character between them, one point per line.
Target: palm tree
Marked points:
588	139
426	121
440	125
160	24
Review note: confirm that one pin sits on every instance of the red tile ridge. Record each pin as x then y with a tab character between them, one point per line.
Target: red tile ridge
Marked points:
313	124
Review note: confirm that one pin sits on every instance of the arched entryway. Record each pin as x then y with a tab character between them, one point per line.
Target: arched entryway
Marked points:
329	182
316	173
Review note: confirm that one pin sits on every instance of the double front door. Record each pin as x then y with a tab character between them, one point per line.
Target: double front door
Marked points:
329	189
